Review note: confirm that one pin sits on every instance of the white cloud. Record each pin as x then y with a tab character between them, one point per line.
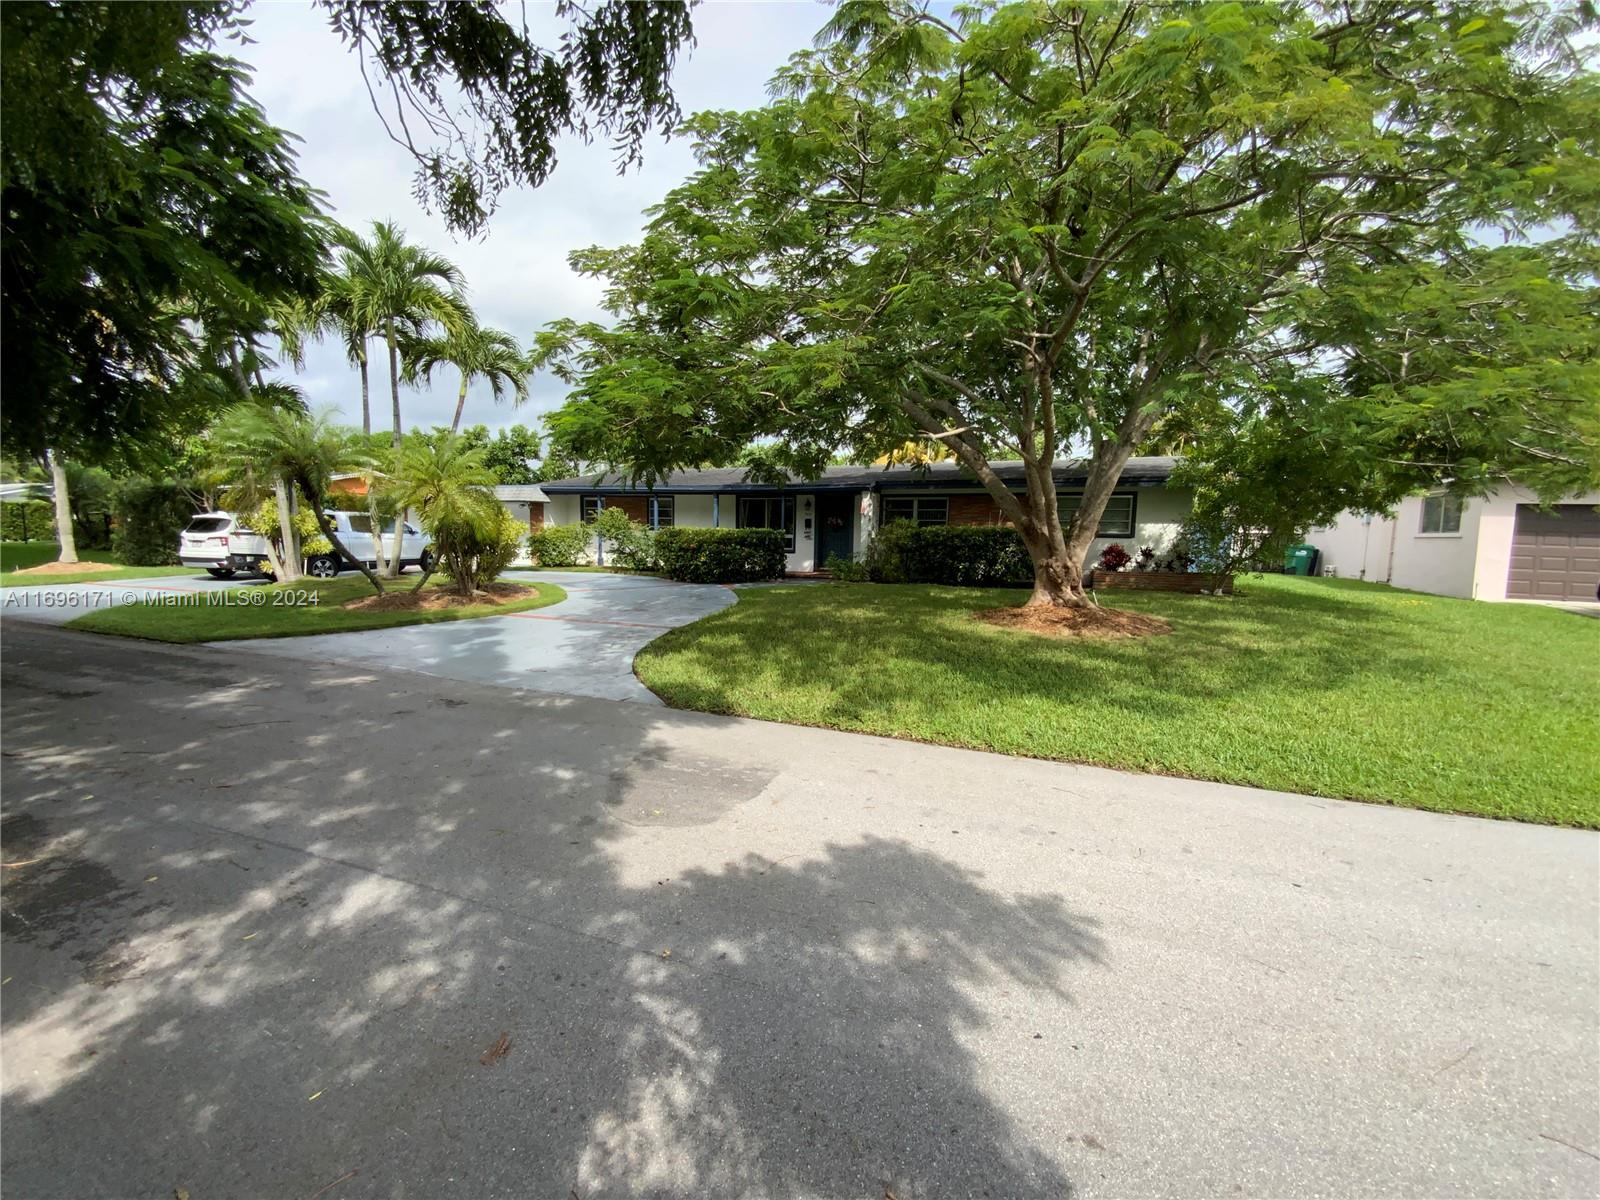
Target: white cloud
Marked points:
517	275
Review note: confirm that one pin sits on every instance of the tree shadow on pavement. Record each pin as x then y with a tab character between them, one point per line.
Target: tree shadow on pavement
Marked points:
265	932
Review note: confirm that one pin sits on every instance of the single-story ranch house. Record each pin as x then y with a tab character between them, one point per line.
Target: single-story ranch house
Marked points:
1500	547
838	512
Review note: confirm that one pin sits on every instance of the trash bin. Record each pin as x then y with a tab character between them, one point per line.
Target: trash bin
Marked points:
1301	560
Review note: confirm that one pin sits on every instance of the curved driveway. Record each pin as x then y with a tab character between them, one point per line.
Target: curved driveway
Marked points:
583	646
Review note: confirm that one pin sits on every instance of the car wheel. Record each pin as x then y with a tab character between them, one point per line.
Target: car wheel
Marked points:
220	572
323	566
426	561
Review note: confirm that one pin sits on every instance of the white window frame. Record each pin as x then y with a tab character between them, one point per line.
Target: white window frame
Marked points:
1069	504
935	505
786	512
1443	503
663	512
584	502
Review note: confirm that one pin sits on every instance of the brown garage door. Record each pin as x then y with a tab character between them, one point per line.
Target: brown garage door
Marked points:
1555	555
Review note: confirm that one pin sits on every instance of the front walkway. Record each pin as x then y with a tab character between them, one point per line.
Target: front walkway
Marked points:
583	646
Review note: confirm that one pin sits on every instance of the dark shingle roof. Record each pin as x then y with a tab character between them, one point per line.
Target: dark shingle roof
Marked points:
1147	471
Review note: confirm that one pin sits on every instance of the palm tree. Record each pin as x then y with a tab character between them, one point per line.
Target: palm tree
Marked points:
308	450
452	490
58	490
400	291
478	352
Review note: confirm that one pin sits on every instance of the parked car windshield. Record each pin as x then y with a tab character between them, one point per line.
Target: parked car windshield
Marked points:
206	525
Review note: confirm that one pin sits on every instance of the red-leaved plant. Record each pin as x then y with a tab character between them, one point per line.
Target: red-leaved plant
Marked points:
1114	557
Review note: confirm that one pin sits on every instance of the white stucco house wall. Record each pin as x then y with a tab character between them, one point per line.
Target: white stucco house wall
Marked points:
838	512
1499	547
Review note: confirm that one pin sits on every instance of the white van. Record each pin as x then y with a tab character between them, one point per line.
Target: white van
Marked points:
354	529
223	547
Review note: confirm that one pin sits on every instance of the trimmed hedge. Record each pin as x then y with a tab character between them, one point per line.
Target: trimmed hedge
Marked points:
558	545
962	555
27	521
720	555
148	515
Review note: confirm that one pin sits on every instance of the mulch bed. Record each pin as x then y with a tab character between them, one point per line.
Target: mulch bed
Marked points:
434	599
1075	622
61	568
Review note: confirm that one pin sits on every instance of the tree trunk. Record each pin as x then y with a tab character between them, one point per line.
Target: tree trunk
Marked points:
395	546
58	482
366	390
394	379
286	533
274	564
461	403
378	556
394	396
1057	576
333	538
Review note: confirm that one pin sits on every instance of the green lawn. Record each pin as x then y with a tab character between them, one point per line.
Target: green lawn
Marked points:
273	616
1330	687
18	556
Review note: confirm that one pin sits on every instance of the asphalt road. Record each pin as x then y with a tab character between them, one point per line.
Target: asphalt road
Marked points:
273	927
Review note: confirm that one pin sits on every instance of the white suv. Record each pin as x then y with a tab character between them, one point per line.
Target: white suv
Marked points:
217	542
354	529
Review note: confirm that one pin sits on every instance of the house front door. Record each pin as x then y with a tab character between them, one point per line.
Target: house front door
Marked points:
835	526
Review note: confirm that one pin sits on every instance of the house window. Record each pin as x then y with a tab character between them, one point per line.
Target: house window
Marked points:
590	506
769	512
1116	521
924	510
665	512
1441	514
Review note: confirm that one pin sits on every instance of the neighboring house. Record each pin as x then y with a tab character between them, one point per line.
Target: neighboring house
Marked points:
839	512
525	501
1500	547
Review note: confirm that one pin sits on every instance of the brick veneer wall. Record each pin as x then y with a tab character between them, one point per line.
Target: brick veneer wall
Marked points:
1159	581
975	510
637	507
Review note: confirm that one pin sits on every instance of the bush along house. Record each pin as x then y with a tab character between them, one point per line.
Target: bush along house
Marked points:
838	513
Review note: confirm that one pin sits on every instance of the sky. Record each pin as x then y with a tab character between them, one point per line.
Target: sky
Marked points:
517	275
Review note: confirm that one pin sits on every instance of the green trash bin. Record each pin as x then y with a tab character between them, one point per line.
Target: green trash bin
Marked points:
1301	560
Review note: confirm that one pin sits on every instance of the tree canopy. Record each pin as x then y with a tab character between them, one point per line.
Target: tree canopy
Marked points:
148	200
480	104
1061	227
142	190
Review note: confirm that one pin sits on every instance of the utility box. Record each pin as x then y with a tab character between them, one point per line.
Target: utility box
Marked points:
1301	560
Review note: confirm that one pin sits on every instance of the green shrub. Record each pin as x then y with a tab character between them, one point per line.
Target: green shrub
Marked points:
147	516
628	543
847	570
720	555
559	545
963	555
27	521
476	552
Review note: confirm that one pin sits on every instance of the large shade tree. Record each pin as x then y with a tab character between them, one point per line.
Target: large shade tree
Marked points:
1050	228
140	181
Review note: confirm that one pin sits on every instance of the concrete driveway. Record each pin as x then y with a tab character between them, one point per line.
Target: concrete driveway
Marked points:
301	928
583	646
58	603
